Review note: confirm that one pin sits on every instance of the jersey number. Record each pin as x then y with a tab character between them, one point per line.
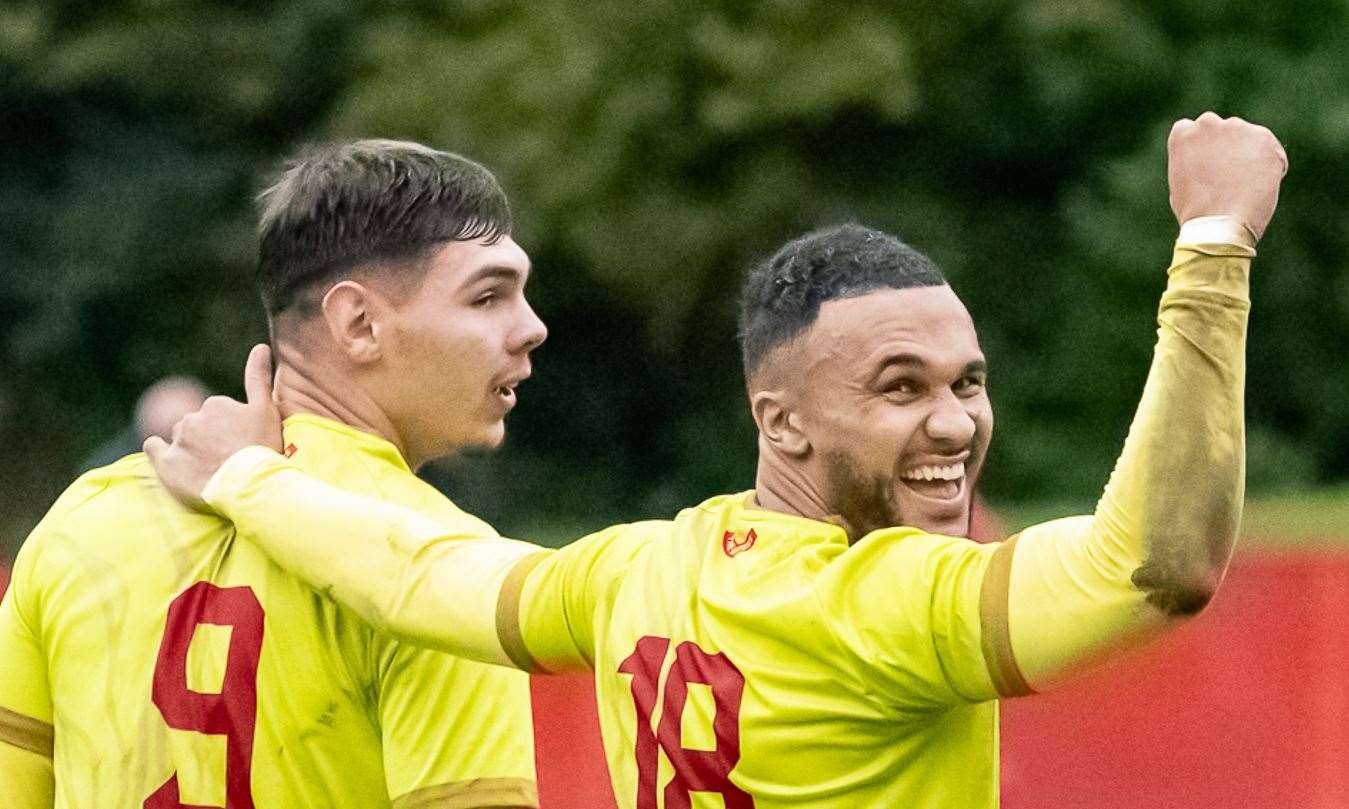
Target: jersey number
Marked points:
233	712
694	770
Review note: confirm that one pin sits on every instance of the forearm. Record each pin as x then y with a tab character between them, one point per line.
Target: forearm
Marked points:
408	575
1159	541
26	779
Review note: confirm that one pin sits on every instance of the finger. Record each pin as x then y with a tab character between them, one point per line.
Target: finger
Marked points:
154	449
258	375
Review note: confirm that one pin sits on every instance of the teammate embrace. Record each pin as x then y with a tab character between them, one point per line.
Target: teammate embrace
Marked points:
826	639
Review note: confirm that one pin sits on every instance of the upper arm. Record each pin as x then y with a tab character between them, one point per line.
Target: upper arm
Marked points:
548	608
1072	598
909	612
455	733
26	734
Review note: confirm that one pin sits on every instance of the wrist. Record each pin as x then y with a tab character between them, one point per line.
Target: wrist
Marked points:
1220	230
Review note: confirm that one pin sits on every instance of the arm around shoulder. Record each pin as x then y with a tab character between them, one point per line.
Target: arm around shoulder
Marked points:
422	580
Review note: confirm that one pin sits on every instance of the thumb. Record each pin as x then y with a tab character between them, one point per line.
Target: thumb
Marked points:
154	449
258	375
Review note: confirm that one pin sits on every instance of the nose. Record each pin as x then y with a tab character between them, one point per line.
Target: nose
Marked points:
530	333
949	422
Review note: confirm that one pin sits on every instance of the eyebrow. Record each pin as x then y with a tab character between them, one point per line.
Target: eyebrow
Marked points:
499	271
971	367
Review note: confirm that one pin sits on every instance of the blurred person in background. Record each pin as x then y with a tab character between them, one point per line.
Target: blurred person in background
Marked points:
787	646
156	411
149	659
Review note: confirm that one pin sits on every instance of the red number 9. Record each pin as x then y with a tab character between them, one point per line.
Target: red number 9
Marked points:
233	712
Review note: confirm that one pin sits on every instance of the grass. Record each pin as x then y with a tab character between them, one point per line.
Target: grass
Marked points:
1316	519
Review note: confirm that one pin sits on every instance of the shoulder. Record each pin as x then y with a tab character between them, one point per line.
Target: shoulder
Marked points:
618	543
901	566
394	485
95	518
112	505
914	546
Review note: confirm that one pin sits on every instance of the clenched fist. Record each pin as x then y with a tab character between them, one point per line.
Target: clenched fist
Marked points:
204	440
1224	166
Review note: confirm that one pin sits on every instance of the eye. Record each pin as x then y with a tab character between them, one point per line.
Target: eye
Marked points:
968	385
486	300
902	388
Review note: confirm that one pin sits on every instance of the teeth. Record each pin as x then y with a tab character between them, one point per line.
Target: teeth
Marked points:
952	472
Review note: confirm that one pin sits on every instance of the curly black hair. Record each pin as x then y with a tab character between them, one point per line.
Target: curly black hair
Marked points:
782	295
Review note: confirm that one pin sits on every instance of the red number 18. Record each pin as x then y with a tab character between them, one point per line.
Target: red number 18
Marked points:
694	770
232	713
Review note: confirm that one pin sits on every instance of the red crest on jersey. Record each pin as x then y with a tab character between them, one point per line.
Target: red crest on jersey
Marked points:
291	450
731	547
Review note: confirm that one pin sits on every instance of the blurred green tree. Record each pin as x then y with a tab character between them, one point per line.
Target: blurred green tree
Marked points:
653	151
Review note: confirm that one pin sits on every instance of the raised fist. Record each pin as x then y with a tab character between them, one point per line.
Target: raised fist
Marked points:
1224	166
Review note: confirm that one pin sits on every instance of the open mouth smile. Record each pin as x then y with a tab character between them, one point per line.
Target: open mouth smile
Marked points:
938	482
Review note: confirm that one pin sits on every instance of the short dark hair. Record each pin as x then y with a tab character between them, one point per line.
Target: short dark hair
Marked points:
782	295
347	206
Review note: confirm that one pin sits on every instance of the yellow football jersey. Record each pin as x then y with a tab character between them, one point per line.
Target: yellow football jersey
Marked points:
749	658
162	662
743	652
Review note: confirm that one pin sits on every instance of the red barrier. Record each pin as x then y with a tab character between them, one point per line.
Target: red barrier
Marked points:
1246	707
567	746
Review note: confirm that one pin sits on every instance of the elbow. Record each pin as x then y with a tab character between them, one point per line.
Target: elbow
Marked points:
1186	561
1181	585
1176	597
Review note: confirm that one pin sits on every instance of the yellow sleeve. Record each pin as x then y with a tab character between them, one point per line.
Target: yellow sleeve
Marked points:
904	609
26	734
1157	546
548	608
421	580
455	733
26	779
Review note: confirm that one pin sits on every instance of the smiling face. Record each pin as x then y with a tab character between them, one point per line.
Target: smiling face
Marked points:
890	394
455	349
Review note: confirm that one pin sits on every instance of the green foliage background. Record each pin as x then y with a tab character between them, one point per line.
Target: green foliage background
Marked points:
654	150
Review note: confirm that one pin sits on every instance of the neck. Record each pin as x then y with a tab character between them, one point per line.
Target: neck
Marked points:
310	382
781	485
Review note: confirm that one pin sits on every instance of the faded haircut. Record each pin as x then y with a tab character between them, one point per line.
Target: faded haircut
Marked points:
781	296
377	206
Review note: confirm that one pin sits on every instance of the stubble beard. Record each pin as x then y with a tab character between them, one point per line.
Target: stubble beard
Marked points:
869	503
865	503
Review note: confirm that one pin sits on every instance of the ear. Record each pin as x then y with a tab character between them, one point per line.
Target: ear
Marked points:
778	422
350	311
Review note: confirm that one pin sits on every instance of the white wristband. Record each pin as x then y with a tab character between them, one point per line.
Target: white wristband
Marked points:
1217	230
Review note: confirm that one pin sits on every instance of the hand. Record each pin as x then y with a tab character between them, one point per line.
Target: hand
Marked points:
204	440
1224	166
